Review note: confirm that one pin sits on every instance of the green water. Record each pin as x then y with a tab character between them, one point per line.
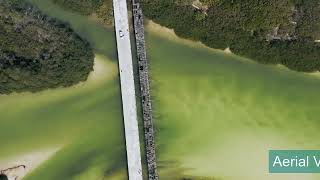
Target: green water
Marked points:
83	122
217	115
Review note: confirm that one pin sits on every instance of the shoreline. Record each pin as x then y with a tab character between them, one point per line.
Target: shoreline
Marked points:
94	18
103	69
28	162
169	34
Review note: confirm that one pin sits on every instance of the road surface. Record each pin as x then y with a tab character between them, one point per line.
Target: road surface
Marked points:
127	89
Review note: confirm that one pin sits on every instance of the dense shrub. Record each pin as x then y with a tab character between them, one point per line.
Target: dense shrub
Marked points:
245	25
38	52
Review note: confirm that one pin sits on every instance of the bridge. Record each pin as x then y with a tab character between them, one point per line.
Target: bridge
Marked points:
128	90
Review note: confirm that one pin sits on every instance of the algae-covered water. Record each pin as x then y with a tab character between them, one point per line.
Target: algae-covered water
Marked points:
69	133
216	114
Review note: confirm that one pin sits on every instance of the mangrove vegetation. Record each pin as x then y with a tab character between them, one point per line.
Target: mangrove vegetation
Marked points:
38	52
268	31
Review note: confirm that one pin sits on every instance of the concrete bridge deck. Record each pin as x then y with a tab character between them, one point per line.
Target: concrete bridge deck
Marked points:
127	89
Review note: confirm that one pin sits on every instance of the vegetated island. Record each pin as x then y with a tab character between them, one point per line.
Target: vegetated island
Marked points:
268	31
38	52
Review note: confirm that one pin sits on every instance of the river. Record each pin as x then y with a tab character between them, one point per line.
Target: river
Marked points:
216	114
68	133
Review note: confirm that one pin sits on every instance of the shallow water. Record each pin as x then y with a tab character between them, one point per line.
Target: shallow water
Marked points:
83	122
217	115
